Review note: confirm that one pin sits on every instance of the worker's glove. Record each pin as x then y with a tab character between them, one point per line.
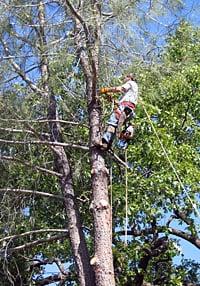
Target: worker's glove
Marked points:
104	90
109	96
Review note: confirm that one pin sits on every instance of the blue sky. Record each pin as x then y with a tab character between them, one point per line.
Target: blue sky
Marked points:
189	250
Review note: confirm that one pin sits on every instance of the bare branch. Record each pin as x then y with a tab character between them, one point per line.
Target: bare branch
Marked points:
50	279
117	159
16	76
44	121
32	244
19	71
16	130
22	6
70	145
47	143
39	231
60	265
16	160
22	131
25	40
161	229
77	16
30	192
4	58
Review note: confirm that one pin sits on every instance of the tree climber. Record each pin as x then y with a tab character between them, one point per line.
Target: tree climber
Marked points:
124	110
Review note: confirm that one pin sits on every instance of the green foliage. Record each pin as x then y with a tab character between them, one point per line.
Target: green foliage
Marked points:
170	92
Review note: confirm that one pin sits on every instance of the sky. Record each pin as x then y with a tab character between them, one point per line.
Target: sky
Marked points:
190	252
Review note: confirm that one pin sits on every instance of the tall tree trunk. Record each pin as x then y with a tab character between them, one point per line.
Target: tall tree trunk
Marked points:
88	47
102	260
77	239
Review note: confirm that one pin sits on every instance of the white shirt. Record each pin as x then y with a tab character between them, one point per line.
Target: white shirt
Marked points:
130	93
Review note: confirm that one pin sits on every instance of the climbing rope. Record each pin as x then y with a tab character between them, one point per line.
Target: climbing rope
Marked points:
168	159
126	178
126	198
111	200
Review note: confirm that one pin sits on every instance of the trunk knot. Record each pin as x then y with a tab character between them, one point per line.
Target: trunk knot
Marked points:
99	170
94	261
102	205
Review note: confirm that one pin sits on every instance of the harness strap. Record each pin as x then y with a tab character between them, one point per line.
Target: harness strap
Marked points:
125	104
128	104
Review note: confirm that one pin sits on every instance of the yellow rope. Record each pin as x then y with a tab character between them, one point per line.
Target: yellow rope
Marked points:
111	200
171	164
126	197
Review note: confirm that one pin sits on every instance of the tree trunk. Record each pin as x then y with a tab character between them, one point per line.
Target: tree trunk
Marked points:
77	239
102	260
88	52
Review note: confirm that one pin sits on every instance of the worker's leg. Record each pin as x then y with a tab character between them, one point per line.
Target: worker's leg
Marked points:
109	134
120	124
126	114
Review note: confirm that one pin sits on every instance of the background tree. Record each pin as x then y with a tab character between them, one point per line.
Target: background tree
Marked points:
159	201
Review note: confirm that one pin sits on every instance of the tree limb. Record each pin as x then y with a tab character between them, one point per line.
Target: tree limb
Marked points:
117	159
44	121
50	279
158	247
19	71
47	143
11	237
22	131
161	229
77	16
186	236
30	192
44	170
23	5
182	215
16	76
32	244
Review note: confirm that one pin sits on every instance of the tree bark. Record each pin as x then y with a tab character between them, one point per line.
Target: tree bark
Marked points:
88	48
102	260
